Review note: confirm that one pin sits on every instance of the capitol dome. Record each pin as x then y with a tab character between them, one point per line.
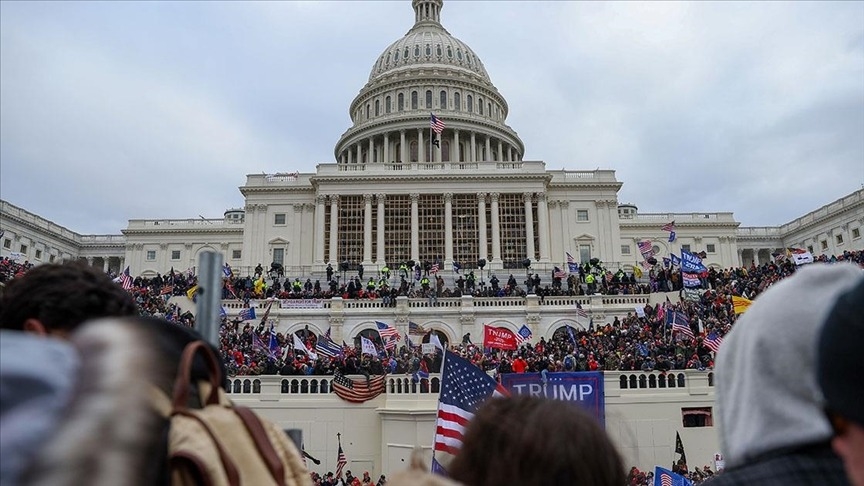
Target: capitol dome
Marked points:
426	73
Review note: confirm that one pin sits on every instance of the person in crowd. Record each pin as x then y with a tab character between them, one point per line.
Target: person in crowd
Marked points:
841	378
533	440
772	427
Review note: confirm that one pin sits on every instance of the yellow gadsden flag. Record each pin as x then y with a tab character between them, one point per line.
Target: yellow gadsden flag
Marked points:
740	304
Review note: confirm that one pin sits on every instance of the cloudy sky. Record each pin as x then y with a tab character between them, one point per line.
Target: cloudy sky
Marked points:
112	111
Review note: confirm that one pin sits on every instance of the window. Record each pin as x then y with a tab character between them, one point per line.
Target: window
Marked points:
625	249
400	103
697	417
839	239
279	218
377	107
428	50
23	249
387	105
655	249
438	50
428	98
489	109
584	253
479	105
236	254
396	56
51	258
38	254
824	245
367	111
450	52
711	248
457	101
582	215
279	255
470	103
416	51
856	233
175	254
443	100
685	247
7	243
405	53
413	100
151	255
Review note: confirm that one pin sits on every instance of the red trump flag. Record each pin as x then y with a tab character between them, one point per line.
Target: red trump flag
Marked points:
499	337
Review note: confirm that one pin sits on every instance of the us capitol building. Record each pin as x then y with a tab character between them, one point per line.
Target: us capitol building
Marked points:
398	191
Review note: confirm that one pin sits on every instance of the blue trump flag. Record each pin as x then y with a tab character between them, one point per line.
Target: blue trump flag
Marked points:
584	388
665	477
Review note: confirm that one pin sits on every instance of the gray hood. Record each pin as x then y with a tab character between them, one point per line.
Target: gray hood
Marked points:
767	396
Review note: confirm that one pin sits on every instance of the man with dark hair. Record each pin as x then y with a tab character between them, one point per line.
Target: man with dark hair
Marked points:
840	372
54	299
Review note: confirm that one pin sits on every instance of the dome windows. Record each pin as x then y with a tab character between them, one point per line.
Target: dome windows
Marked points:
413	100
470	101
450	52
400	102
438	51
428	98
396	55
428	50
443	100
479	105
377	107
457	101
387	105
367	111
405	54
416	51
458	54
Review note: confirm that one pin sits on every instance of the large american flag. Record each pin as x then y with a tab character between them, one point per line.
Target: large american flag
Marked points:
464	387
571	263
680	323
435	268
126	280
341	461
523	335
669	226
436	123
357	391
559	273
645	249
389	335
713	341
580	311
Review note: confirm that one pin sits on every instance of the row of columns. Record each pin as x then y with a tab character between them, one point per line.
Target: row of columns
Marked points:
105	267
483	242
354	153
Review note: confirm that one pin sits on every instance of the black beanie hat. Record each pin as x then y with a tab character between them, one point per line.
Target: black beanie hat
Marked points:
841	356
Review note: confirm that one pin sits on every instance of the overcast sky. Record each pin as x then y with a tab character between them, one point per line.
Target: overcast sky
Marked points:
111	111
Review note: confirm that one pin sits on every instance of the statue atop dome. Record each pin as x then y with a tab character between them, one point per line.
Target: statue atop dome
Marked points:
427	11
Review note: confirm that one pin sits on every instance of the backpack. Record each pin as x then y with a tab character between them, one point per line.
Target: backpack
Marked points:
221	444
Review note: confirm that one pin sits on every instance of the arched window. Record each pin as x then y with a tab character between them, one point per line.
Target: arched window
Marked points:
428	50
413	149
413	100
445	151
396	55
489	109
443	100
377	107
457	101
479	105
470	103
428	98
367	111
400	102
416	51
405	54
438	51
387	105
450	52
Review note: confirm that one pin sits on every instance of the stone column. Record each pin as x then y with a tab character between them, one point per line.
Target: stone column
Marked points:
473	152
403	149
319	228
105	264
500	151
386	155
488	148
415	227
529	225
448	227
510	150
371	157
367	229
454	151
543	216
381	254
89	261
481	222
496	229
334	228
358	155
421	147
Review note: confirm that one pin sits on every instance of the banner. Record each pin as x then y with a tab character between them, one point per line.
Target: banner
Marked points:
367	347
499	337
675	260
692	295
802	258
301	304
690	280
691	263
428	348
584	388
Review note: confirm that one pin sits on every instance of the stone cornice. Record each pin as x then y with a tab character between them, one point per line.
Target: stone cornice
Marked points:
29	225
174	231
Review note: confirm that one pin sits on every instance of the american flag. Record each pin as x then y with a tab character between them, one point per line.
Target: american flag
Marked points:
341	461
645	249
414	328
126	279
580	311
680	323
669	226
665	477
247	314
389	335
435	268
571	263
166	290
713	341
437	124
358	391
327	347
559	273
523	335
464	387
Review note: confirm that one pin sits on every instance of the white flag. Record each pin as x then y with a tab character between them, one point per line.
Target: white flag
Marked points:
298	344
437	342
367	346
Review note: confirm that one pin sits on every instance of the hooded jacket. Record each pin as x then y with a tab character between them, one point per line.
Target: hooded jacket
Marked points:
767	397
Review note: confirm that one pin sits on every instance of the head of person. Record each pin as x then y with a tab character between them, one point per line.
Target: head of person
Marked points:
840	371
54	299
767	396
532	440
